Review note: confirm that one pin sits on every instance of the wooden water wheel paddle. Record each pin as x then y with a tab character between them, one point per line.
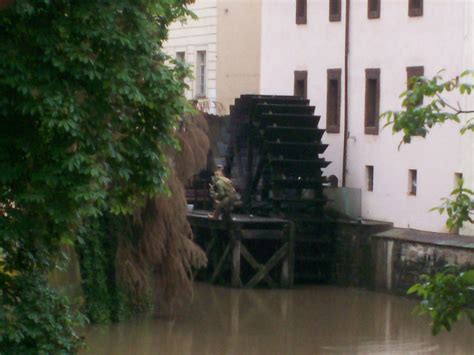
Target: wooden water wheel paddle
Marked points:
274	157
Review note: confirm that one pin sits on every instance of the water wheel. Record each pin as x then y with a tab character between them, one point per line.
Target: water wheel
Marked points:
275	155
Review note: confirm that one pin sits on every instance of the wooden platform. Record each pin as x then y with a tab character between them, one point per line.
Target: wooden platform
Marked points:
244	228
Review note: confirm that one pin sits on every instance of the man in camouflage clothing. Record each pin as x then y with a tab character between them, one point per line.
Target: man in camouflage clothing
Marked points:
224	195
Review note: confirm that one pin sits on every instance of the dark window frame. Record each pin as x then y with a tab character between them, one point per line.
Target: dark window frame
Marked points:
373	14
179	54
369	169
333	109
301	12
412	182
369	174
415	11
373	129
334	16
299	76
415	71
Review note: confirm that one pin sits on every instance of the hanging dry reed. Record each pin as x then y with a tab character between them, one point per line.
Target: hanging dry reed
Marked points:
161	260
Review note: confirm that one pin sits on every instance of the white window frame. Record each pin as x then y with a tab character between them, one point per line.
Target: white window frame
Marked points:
201	74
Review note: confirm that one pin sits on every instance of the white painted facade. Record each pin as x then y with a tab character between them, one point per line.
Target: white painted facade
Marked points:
197	35
440	39
229	32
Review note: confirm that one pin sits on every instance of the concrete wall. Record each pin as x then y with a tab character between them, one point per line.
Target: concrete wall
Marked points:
238	44
197	35
441	38
377	257
400	257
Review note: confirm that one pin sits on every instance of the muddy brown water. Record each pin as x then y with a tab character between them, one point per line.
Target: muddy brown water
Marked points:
304	321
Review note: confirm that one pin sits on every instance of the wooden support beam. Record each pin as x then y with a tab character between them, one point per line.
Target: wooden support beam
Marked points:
221	262
281	253
249	177
256	265
236	245
287	270
214	237
291	254
258	174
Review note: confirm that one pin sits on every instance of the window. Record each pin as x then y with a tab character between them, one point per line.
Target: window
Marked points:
412	72
333	101
181	56
369	174
334	10
201	74
415	8
372	101
412	183
301	83
373	9
301	9
457	178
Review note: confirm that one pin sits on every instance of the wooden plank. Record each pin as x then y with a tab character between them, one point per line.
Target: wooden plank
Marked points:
212	243
291	254
287	269
279	254
235	240
256	265
249	177
218	268
214	236
267	234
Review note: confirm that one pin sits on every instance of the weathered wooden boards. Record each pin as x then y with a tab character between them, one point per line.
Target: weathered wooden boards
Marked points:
238	231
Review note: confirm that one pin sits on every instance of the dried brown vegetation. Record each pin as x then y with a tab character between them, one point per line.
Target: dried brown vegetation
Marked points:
156	264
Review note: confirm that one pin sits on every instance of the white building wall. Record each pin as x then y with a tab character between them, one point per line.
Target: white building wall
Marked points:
440	39
315	47
197	35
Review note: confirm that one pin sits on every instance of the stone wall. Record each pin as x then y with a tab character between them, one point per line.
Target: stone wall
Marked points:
401	256
375	256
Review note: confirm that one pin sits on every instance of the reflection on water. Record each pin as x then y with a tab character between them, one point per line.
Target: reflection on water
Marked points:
310	320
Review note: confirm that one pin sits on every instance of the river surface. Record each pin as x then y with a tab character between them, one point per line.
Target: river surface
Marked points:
305	321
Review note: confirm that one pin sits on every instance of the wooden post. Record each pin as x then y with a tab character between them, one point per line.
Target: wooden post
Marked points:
236	237
271	263
221	262
285	265
291	254
287	269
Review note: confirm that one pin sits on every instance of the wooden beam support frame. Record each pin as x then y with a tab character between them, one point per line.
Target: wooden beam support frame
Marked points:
237	250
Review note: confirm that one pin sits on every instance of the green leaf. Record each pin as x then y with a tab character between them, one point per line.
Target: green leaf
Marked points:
468	277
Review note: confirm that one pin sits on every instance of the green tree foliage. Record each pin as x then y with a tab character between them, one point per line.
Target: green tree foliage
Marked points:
88	103
34	319
459	207
418	119
446	295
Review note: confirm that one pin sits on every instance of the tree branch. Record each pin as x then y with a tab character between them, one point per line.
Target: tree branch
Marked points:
456	110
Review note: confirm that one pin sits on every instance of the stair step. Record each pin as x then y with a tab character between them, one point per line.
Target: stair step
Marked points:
297	184
296	148
288	120
295	167
288	109
292	134
278	100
